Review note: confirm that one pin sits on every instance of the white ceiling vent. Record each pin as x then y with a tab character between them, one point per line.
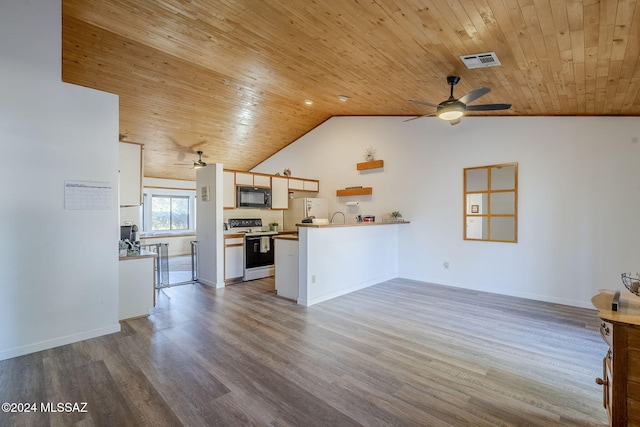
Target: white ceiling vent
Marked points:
481	60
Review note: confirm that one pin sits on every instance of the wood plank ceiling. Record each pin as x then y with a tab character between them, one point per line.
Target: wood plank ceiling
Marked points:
230	77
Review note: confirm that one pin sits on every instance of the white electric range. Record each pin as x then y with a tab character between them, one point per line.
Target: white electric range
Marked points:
259	250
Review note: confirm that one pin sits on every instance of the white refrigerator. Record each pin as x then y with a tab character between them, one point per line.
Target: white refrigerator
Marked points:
304	207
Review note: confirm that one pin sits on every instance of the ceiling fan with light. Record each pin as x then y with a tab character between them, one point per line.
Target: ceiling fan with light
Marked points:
453	109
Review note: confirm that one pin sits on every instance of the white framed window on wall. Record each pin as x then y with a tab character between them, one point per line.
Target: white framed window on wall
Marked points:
168	211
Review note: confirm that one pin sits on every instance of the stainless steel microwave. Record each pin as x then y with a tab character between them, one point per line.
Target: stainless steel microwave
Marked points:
253	197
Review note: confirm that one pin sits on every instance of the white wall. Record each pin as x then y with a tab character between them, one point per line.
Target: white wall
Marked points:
58	268
209	231
578	196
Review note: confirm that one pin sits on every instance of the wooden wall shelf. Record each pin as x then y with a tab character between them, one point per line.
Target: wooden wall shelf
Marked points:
363	191
374	164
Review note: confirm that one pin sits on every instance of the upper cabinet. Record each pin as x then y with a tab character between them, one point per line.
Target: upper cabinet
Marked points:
302	184
261	180
279	192
228	190
130	177
296	184
244	178
253	179
280	186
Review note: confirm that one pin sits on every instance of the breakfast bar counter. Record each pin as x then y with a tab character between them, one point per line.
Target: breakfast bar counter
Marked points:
336	259
357	224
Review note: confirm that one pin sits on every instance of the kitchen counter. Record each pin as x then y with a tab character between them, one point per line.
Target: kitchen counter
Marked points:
335	259
143	254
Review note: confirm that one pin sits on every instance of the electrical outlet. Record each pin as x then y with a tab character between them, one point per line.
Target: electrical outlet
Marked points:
445	264
128	223
313	279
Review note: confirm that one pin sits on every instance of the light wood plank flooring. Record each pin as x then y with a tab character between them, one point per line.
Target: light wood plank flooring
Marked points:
400	353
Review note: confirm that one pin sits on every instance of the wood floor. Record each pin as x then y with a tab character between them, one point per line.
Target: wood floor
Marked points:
401	353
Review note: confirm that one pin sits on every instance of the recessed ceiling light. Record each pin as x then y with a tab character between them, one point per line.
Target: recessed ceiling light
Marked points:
308	102
343	98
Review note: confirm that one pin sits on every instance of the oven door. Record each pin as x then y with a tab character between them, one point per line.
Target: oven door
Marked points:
258	251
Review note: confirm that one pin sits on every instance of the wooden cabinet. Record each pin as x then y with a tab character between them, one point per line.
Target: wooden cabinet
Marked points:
130	176
279	192
233	258
228	190
621	373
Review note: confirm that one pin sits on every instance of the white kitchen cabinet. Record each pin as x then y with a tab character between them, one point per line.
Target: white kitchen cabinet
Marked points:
296	184
233	259
137	285
286	264
279	192
244	178
301	184
130	176
228	189
310	185
262	180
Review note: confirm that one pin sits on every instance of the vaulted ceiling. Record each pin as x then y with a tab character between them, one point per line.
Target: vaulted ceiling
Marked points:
231	77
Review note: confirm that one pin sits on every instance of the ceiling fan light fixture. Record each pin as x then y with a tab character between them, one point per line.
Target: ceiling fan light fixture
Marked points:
451	112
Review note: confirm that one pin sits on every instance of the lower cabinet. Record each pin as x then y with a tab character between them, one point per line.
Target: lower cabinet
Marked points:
233	259
286	260
137	285
621	373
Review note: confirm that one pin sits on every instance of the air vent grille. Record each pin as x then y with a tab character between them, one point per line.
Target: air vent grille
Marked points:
481	60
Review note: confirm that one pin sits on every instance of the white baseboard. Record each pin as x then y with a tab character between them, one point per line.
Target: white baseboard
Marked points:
326	297
57	342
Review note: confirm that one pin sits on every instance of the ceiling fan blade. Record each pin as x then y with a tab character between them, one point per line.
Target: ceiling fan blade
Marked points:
488	107
426	104
475	94
419	117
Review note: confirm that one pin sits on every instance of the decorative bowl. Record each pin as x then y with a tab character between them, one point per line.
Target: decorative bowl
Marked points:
632	282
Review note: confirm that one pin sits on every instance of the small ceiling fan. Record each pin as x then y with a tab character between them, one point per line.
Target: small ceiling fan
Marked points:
453	109
200	163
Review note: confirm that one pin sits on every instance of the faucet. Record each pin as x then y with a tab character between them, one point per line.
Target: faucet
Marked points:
344	220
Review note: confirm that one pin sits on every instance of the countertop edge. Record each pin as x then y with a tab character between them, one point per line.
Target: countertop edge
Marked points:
143	254
358	224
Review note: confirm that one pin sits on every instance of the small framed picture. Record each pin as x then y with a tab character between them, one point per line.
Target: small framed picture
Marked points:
475	208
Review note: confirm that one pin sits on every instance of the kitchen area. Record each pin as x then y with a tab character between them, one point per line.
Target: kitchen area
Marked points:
252	226
252	230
